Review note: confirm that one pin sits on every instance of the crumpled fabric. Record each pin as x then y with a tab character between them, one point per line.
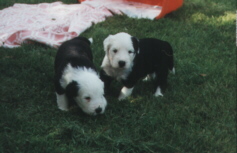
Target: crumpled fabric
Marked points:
54	23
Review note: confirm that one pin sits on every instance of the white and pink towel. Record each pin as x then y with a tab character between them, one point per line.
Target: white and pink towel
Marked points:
54	23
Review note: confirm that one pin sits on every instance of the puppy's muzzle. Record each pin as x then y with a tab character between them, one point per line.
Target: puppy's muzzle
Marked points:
98	110
121	64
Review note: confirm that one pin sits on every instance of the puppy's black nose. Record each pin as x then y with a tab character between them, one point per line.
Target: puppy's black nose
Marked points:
121	64
98	110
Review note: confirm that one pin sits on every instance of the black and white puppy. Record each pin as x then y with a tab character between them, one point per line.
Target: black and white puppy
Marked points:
129	59
76	79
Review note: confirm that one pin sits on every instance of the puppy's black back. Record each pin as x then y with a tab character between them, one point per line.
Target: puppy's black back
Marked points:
155	50
154	56
75	51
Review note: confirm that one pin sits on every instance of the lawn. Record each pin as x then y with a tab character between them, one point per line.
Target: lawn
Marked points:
196	115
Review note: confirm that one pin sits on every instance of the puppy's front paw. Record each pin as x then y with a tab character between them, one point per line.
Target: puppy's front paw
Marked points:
122	96
158	94
63	108
147	78
125	92
62	102
150	77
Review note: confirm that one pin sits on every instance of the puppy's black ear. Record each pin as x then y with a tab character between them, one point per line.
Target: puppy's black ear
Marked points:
72	89
135	43
87	41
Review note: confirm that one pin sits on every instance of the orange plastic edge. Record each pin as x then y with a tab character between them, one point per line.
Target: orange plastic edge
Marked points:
167	5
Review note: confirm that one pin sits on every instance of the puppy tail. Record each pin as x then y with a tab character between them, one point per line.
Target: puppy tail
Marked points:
91	40
173	70
169	53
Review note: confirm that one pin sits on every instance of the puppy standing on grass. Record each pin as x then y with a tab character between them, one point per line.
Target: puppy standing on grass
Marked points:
76	79
129	59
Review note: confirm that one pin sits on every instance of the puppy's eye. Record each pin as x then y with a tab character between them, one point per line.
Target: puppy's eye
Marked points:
88	98
130	52
115	50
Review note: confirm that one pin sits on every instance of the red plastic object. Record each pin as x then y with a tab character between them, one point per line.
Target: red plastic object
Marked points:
167	5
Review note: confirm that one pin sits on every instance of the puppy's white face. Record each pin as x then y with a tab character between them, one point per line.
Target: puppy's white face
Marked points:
85	87
120	50
90	96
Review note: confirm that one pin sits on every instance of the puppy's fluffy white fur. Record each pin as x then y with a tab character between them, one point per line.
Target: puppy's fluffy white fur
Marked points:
120	50
91	88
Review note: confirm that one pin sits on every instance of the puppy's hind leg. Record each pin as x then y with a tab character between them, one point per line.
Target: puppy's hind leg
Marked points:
161	82
158	92
62	102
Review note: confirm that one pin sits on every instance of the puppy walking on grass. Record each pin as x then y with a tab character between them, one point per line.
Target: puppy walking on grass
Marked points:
76	80
128	59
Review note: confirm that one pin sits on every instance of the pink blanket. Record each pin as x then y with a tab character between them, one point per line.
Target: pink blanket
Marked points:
54	23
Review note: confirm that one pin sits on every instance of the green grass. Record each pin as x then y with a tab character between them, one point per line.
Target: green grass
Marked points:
196	115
